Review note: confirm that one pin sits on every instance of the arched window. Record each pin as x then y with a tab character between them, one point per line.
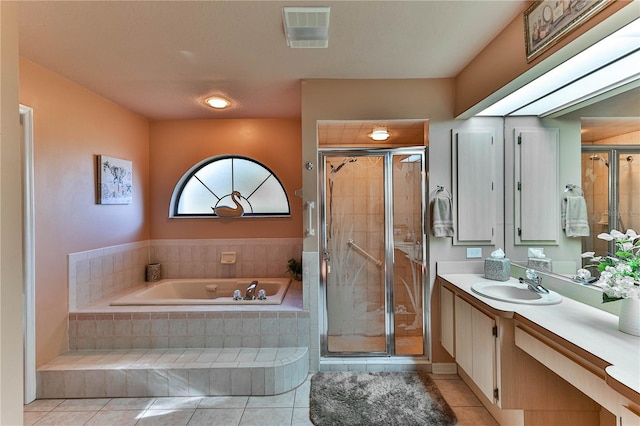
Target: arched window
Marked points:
229	186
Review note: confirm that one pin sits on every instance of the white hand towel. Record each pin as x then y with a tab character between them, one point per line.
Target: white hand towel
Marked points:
574	216
442	217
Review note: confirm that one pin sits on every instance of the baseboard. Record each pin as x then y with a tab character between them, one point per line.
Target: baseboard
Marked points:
444	368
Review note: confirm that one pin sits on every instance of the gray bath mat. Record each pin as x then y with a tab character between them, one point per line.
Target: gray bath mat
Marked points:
377	399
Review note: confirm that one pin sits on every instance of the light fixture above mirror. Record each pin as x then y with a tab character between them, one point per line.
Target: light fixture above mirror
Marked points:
611	63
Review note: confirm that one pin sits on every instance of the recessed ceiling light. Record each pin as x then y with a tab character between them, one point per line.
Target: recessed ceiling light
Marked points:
217	102
379	134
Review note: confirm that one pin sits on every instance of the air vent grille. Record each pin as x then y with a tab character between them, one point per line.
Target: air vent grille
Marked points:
306	27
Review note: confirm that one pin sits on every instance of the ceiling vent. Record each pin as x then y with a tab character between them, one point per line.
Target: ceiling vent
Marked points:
306	27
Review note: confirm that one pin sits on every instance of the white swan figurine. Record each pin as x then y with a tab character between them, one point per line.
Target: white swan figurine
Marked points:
225	211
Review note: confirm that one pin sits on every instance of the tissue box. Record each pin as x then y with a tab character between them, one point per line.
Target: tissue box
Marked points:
541	264
497	269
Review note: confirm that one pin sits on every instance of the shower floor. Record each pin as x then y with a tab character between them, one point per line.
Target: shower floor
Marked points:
405	345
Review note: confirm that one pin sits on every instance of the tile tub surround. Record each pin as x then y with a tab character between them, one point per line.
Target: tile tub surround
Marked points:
96	274
259	257
173	372
204	329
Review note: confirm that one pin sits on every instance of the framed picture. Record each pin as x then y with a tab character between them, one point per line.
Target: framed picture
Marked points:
548	21
115	180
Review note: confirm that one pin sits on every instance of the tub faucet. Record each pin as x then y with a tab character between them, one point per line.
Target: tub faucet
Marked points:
533	281
250	294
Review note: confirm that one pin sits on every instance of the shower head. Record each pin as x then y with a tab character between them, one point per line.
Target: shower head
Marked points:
596	157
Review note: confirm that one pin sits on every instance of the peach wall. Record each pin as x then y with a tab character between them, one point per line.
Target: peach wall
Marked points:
175	146
71	126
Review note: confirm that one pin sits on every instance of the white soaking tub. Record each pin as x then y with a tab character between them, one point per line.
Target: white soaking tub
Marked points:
206	291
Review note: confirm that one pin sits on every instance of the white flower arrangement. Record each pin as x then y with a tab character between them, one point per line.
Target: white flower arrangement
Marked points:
619	274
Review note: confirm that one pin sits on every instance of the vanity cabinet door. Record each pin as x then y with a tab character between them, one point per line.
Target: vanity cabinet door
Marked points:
446	320
463	336
476	346
484	352
629	418
474	195
537	203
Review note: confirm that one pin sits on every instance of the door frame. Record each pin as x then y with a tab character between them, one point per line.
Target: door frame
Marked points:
29	296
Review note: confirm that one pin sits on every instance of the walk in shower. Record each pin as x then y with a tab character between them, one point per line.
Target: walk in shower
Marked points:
374	253
611	186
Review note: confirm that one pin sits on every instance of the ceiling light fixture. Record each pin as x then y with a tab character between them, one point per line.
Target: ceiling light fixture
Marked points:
379	134
306	27
217	102
612	62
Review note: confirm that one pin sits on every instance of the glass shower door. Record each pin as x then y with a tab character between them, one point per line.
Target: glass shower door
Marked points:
611	185
629	191
374	255
409	267
354	254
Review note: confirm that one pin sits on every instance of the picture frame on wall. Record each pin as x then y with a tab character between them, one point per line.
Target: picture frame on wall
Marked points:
547	21
115	180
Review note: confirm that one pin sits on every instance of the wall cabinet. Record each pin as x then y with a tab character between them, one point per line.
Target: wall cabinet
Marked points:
537	205
474	195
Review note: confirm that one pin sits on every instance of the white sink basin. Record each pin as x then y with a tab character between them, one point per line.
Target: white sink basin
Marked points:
514	292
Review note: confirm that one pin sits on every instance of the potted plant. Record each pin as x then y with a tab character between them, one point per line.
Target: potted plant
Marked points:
620	277
294	267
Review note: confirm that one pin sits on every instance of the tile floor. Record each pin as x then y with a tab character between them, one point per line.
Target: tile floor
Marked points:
291	408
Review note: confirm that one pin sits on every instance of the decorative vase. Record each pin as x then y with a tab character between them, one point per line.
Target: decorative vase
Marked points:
629	320
152	272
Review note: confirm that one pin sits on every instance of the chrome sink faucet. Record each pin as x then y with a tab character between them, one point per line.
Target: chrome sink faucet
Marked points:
250	293
533	282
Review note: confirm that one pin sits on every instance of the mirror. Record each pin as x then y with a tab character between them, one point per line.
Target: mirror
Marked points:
612	121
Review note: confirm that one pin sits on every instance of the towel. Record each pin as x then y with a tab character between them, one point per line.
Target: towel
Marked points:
574	216
442	217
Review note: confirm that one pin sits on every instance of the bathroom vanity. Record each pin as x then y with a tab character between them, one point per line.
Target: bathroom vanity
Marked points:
551	364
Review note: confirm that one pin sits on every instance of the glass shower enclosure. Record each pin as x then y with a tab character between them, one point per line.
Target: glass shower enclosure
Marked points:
611	186
373	252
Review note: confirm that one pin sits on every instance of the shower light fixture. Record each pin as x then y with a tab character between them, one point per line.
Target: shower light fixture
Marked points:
217	102
379	134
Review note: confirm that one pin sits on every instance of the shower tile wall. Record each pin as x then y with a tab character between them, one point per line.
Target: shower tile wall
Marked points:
356	289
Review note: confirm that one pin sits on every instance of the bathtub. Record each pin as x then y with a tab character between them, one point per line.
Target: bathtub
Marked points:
209	291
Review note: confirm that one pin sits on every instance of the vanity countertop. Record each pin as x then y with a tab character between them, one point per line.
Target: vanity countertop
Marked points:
584	326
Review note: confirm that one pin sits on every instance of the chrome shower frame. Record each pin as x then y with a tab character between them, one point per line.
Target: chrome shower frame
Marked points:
324	155
613	164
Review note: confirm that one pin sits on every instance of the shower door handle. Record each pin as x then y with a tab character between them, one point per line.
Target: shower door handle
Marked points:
327	259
